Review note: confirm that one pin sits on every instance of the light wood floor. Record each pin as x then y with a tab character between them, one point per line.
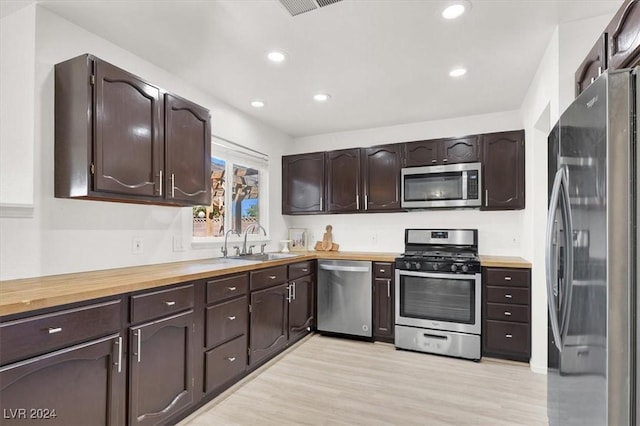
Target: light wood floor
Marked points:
327	381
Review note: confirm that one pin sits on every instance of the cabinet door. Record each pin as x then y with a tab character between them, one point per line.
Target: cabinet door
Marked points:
128	150
188	146
422	153
269	315
161	369
303	183
593	65
80	385
503	171
383	309
343	180
381	182
301	307
460	150
624	36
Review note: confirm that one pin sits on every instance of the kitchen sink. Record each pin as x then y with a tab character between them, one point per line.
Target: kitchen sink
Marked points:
262	257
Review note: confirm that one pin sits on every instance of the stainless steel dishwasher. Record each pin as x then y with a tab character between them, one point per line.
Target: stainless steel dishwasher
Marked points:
344	297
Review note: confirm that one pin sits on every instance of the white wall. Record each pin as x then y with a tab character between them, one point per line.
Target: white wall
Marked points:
17	79
499	233
74	235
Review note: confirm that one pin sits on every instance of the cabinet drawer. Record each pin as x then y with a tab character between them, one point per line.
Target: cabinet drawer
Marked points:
507	276
268	277
226	320
509	295
504	336
225	362
35	335
227	288
382	270
160	303
505	312
300	269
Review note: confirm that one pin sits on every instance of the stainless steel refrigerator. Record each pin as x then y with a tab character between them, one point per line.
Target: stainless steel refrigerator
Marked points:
592	256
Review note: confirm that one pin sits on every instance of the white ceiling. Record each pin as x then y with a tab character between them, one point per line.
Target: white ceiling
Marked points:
384	62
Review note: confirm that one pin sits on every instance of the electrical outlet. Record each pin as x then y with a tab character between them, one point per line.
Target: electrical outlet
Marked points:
137	245
374	239
178	243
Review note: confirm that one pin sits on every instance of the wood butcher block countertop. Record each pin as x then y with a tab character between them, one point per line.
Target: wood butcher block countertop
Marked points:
28	294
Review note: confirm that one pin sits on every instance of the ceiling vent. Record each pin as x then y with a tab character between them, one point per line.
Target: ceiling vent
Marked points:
297	7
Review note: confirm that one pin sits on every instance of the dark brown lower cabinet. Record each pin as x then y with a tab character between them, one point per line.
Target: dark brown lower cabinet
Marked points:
225	362
80	385
383	302
269	322
161	379
301	307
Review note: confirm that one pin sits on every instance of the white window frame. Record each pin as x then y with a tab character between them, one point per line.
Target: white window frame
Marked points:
233	153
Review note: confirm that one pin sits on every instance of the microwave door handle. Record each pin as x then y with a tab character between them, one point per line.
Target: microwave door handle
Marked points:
465	176
551	261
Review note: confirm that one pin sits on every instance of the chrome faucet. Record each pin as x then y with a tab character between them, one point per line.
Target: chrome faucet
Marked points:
244	244
224	248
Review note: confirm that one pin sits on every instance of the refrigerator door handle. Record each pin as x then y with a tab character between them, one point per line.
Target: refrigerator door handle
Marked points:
550	264
565	307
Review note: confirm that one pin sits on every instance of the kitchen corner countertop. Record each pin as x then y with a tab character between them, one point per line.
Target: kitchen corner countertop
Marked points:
504	262
29	294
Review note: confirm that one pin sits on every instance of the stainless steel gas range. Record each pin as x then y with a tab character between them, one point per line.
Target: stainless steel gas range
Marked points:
438	291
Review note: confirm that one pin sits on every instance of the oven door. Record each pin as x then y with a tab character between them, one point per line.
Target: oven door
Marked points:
438	301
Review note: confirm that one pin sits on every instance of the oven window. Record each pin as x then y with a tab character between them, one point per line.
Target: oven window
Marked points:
437	299
433	187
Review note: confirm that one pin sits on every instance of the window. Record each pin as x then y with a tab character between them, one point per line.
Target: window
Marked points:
238	193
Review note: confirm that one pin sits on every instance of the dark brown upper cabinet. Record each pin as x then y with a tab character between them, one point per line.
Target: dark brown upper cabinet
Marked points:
503	167
303	183
119	138
624	36
343	180
188	137
381	177
442	151
593	65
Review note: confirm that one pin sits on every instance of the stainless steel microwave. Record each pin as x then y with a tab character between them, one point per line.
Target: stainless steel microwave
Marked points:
451	185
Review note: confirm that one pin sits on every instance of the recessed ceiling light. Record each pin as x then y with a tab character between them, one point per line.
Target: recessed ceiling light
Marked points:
276	56
321	97
457	72
456	9
257	103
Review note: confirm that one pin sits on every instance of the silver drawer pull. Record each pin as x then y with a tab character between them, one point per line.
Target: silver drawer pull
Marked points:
507	278
232	288
55	330
231	318
508	336
381	270
508	296
434	161
272	277
305	269
170	303
507	313
231	359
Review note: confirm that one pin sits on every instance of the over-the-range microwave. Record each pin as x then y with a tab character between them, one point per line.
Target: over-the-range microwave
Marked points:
451	185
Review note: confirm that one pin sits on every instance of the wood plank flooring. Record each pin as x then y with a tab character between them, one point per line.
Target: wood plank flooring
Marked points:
331	381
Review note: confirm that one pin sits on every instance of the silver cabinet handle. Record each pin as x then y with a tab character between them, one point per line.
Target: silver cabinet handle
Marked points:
388	288
170	303
599	70
138	352
160	183
294	290
54	330
231	359
508	336
272	277
434	161
366	202
119	362
357	202
507	278
381	270
486	198
321	203
444	160
232	288
289	289
231	318
508	296
305	269
593	79
173	185
507	313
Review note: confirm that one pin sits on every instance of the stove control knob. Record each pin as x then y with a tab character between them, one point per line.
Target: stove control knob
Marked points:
435	266
417	266
454	267
465	268
407	265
